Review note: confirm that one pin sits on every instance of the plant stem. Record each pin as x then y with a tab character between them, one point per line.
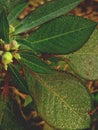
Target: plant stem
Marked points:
6	87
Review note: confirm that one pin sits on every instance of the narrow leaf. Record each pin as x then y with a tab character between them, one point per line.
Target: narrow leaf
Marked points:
85	60
34	63
61	100
46	13
11	4
61	36
18	79
24	46
4	27
15	12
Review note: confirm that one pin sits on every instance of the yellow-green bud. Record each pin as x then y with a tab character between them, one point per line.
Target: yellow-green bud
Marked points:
11	29
14	45
6	59
17	56
7	47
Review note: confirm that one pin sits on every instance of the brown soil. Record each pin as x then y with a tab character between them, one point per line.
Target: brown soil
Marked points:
88	9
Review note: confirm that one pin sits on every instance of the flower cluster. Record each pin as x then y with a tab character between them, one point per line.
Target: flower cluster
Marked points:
8	52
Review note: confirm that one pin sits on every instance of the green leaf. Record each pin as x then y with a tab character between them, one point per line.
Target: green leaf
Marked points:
34	63
47	127
9	121
46	13
15	12
2	4
61	100
61	36
4	26
85	60
11	4
18	79
24	46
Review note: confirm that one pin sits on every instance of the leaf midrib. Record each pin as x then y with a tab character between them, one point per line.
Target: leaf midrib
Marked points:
53	13
57	36
56	94
57	11
40	19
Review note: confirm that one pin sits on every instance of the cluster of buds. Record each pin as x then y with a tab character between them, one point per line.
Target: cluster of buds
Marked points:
8	52
13	46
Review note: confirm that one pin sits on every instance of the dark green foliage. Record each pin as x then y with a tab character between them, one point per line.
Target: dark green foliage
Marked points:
11	4
59	44
9	120
14	14
4	27
46	13
18	79
34	63
61	36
